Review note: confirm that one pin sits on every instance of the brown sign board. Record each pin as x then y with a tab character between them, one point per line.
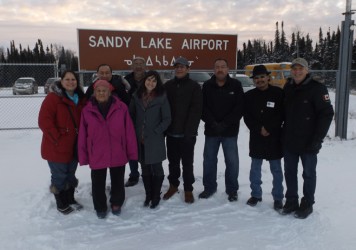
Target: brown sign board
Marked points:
160	49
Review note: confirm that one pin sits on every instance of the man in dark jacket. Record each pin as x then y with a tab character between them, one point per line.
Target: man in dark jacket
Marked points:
185	99
308	114
104	72
135	79
222	111
263	115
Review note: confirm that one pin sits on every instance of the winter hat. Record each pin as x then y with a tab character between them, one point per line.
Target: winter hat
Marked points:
103	83
259	70
139	58
300	61
181	60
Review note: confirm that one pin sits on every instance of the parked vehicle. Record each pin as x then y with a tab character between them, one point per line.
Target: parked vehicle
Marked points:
199	77
246	81
25	85
48	85
279	72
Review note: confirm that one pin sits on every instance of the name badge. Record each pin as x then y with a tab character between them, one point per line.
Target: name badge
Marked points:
270	104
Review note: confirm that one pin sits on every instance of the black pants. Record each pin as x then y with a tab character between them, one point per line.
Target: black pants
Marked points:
181	149
117	194
152	169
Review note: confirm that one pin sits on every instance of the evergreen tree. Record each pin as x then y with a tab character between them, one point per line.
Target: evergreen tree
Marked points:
308	52
284	48
293	47
240	60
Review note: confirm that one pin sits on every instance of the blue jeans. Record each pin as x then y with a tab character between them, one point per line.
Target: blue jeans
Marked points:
63	174
309	162
255	178
210	163
134	169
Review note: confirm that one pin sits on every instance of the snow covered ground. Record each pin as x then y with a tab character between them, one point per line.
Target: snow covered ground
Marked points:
29	219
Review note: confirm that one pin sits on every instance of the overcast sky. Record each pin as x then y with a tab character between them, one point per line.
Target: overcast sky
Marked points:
57	22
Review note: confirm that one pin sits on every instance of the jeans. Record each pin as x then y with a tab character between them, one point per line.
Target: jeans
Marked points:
117	192
210	162
256	178
134	169
309	162
181	148
63	174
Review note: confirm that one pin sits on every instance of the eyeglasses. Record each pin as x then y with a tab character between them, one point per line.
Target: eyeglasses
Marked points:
259	77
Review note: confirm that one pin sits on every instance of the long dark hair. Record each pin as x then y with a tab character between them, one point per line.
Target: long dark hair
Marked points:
78	89
158	90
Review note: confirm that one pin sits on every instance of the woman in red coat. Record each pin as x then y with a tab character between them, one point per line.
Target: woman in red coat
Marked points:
59	118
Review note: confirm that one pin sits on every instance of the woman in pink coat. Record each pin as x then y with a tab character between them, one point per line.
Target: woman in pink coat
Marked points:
106	140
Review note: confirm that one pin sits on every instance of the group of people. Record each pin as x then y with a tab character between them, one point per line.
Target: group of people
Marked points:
110	126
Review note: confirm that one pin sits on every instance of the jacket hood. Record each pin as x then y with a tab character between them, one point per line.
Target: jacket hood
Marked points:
57	90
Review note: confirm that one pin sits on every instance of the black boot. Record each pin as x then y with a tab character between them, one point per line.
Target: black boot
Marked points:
304	210
71	201
62	204
156	190
147	183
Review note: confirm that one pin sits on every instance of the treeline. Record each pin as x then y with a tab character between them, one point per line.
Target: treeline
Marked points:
53	53
322	54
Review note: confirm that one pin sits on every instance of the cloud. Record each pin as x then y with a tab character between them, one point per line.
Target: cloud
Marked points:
57	21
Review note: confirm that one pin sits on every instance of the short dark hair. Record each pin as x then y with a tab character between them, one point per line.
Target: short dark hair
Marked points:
221	59
102	65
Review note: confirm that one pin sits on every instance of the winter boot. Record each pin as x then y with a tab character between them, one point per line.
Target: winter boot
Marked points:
304	210
71	201
290	206
62	205
188	197
156	190
147	183
170	192
61	200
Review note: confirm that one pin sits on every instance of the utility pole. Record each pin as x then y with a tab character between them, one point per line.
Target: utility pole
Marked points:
344	74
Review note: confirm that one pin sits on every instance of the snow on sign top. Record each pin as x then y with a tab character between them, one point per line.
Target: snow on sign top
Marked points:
118	48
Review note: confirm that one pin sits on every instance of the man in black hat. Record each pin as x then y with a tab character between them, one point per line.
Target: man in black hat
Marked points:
185	99
307	117
263	115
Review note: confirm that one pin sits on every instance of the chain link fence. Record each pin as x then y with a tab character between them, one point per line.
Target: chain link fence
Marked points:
21	111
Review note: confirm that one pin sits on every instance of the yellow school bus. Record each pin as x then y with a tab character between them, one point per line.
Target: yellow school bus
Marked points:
279	72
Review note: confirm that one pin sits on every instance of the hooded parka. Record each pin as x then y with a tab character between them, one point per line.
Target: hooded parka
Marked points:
59	133
308	115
